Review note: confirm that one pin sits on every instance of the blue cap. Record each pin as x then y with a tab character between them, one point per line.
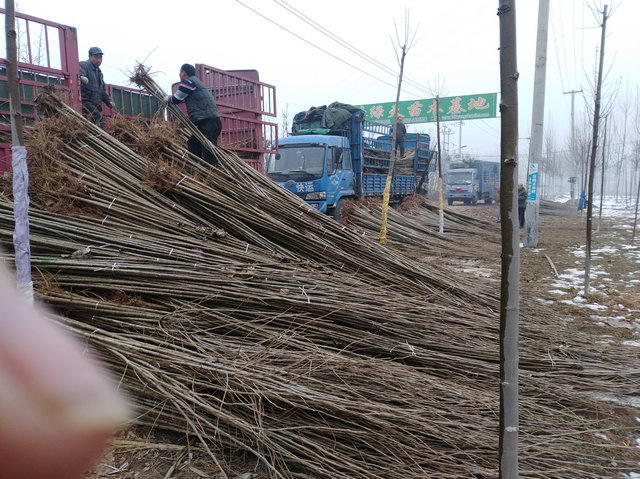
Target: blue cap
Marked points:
95	51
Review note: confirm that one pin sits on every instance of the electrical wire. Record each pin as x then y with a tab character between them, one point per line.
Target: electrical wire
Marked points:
555	44
346	44
564	50
323	50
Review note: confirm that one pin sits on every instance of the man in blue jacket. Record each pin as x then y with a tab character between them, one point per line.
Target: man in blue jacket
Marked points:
202	111
93	90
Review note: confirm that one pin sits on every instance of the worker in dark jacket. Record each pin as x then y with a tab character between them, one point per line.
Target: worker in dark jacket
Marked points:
202	110
522	203
400	132
93	90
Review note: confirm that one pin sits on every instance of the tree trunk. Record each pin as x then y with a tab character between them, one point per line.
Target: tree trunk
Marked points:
592	164
440	195
382	236
17	138
510	275
635	216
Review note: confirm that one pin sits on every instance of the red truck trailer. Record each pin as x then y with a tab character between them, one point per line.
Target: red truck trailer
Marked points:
48	55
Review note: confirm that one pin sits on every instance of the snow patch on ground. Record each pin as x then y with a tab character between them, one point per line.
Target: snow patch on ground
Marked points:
630	401
557	291
594	306
604	250
547	301
482	272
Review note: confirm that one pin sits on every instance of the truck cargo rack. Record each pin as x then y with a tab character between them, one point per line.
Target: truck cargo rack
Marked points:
239	90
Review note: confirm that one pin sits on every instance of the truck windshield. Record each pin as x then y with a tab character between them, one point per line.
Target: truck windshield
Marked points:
459	177
302	163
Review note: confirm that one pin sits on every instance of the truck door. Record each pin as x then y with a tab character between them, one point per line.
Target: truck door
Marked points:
340	174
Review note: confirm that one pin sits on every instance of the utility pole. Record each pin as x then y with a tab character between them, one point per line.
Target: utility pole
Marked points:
510	255
460	140
537	128
573	126
594	150
446	132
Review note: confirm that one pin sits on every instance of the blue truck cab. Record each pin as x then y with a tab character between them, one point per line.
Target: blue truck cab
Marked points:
336	165
478	181
317	168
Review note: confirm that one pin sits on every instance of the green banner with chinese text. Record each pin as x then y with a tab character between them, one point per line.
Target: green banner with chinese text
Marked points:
453	108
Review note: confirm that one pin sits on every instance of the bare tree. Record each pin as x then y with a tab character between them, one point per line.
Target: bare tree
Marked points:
401	49
548	163
602	176
636	151
436	91
594	149
285	121
31	42
625	107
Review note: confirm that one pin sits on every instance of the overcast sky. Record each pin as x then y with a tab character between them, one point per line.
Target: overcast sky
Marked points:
455	51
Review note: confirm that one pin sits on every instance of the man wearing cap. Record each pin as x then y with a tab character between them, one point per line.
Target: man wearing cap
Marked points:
202	111
93	90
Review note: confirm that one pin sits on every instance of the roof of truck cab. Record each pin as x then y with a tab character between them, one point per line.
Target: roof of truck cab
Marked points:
330	140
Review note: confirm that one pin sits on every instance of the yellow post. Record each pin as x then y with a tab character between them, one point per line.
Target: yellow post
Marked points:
385	209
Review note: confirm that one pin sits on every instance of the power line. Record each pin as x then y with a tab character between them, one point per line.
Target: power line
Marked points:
345	44
323	50
564	50
573	39
555	44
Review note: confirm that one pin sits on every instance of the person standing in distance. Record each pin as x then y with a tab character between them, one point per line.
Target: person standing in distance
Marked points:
400	132
202	111
93	91
522	203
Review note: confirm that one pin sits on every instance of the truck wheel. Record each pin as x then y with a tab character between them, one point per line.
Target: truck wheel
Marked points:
474	200
337	211
488	201
450	201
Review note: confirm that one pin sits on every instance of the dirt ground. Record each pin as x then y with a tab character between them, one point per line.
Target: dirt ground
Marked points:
551	273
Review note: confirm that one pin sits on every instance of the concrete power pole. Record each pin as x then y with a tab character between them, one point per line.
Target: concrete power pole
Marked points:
460	141
573	133
537	128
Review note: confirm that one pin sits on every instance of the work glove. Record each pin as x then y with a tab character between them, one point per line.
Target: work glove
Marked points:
112	106
84	80
169	97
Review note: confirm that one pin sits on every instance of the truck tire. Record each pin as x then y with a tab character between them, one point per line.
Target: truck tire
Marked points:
450	201
337	211
488	201
474	200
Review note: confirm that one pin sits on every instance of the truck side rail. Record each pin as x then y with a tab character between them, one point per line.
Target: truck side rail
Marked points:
376	128
249	138
47	56
373	184
238	91
377	152
134	103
